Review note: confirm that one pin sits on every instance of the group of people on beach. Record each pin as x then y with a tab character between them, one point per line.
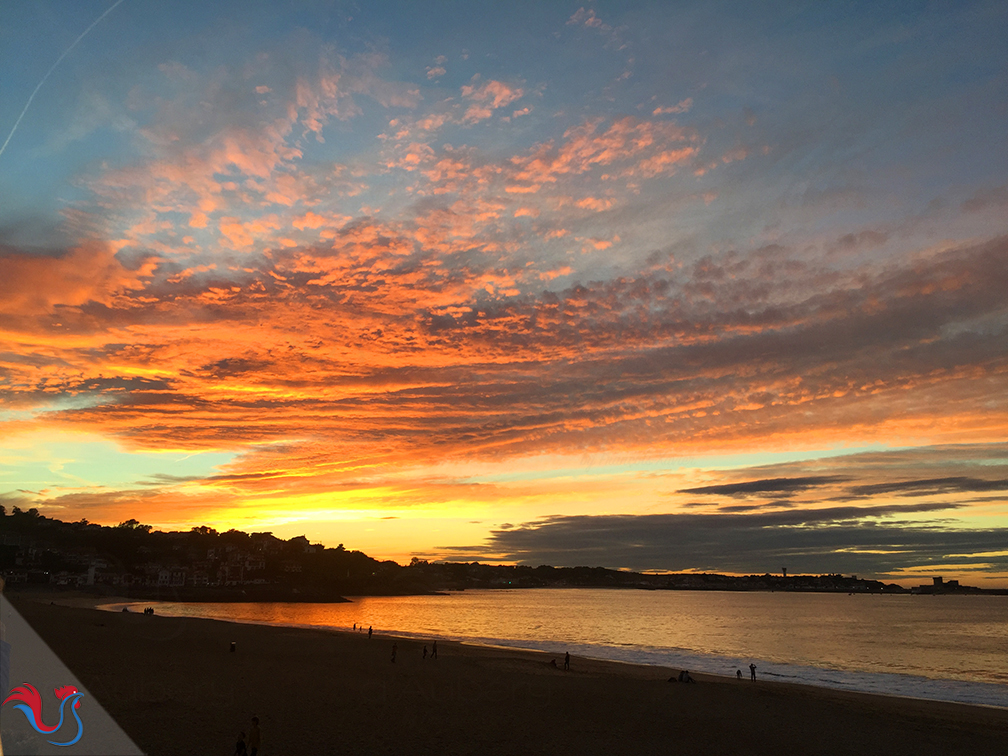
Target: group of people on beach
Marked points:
752	672
685	677
432	653
395	646
566	664
249	745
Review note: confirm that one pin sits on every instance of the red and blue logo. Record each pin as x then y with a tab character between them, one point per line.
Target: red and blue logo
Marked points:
30	704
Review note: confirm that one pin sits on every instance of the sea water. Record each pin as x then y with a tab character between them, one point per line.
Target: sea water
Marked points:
949	648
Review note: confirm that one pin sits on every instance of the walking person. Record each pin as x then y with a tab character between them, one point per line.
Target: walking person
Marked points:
752	671
567	661
433	653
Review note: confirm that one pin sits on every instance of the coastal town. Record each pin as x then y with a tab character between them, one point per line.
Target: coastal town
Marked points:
132	559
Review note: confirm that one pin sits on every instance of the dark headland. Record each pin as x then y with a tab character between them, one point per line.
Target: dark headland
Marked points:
132	560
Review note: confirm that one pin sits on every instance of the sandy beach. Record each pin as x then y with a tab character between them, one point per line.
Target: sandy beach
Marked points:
176	688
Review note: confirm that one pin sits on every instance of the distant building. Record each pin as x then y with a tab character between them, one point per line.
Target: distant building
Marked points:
940	585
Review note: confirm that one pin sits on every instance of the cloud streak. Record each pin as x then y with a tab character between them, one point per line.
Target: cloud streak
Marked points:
837	539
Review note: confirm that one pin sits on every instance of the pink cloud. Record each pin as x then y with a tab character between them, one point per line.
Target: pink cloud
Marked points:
594	203
243	235
583	17
683	106
432	122
736	153
488	96
549	275
309	220
597	244
644	147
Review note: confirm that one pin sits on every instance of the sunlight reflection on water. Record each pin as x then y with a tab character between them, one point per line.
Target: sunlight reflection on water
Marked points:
947	647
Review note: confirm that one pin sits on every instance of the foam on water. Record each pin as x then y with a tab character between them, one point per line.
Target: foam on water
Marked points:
880	683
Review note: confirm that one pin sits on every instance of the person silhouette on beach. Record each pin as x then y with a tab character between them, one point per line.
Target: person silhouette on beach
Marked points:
425	652
240	748
567	661
433	653
369	632
738	673
394	649
254	737
752	671
355	627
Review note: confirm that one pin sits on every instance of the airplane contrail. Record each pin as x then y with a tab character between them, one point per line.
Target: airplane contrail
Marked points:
58	60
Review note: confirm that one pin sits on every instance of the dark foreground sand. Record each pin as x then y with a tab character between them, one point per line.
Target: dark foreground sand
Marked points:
175	688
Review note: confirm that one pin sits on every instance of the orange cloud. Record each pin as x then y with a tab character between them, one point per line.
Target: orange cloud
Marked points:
683	106
38	285
639	146
488	96
594	203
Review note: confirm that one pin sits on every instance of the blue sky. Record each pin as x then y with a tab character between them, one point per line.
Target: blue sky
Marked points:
381	266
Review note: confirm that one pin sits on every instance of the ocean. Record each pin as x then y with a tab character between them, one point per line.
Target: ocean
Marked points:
948	648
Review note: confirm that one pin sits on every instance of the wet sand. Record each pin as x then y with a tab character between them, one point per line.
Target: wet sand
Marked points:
175	688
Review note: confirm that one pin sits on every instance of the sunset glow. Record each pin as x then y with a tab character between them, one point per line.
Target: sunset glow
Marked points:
654	286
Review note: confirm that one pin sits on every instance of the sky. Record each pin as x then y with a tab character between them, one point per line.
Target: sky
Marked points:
656	286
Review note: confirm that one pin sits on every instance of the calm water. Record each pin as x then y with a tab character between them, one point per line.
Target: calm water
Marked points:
952	648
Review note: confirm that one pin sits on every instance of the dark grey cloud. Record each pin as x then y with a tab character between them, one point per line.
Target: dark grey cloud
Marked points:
931	486
879	540
768	485
776	503
235	366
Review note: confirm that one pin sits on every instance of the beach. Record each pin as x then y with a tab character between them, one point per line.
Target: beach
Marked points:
175	687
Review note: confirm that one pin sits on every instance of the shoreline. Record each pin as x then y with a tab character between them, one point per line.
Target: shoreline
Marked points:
902	685
322	689
86	599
